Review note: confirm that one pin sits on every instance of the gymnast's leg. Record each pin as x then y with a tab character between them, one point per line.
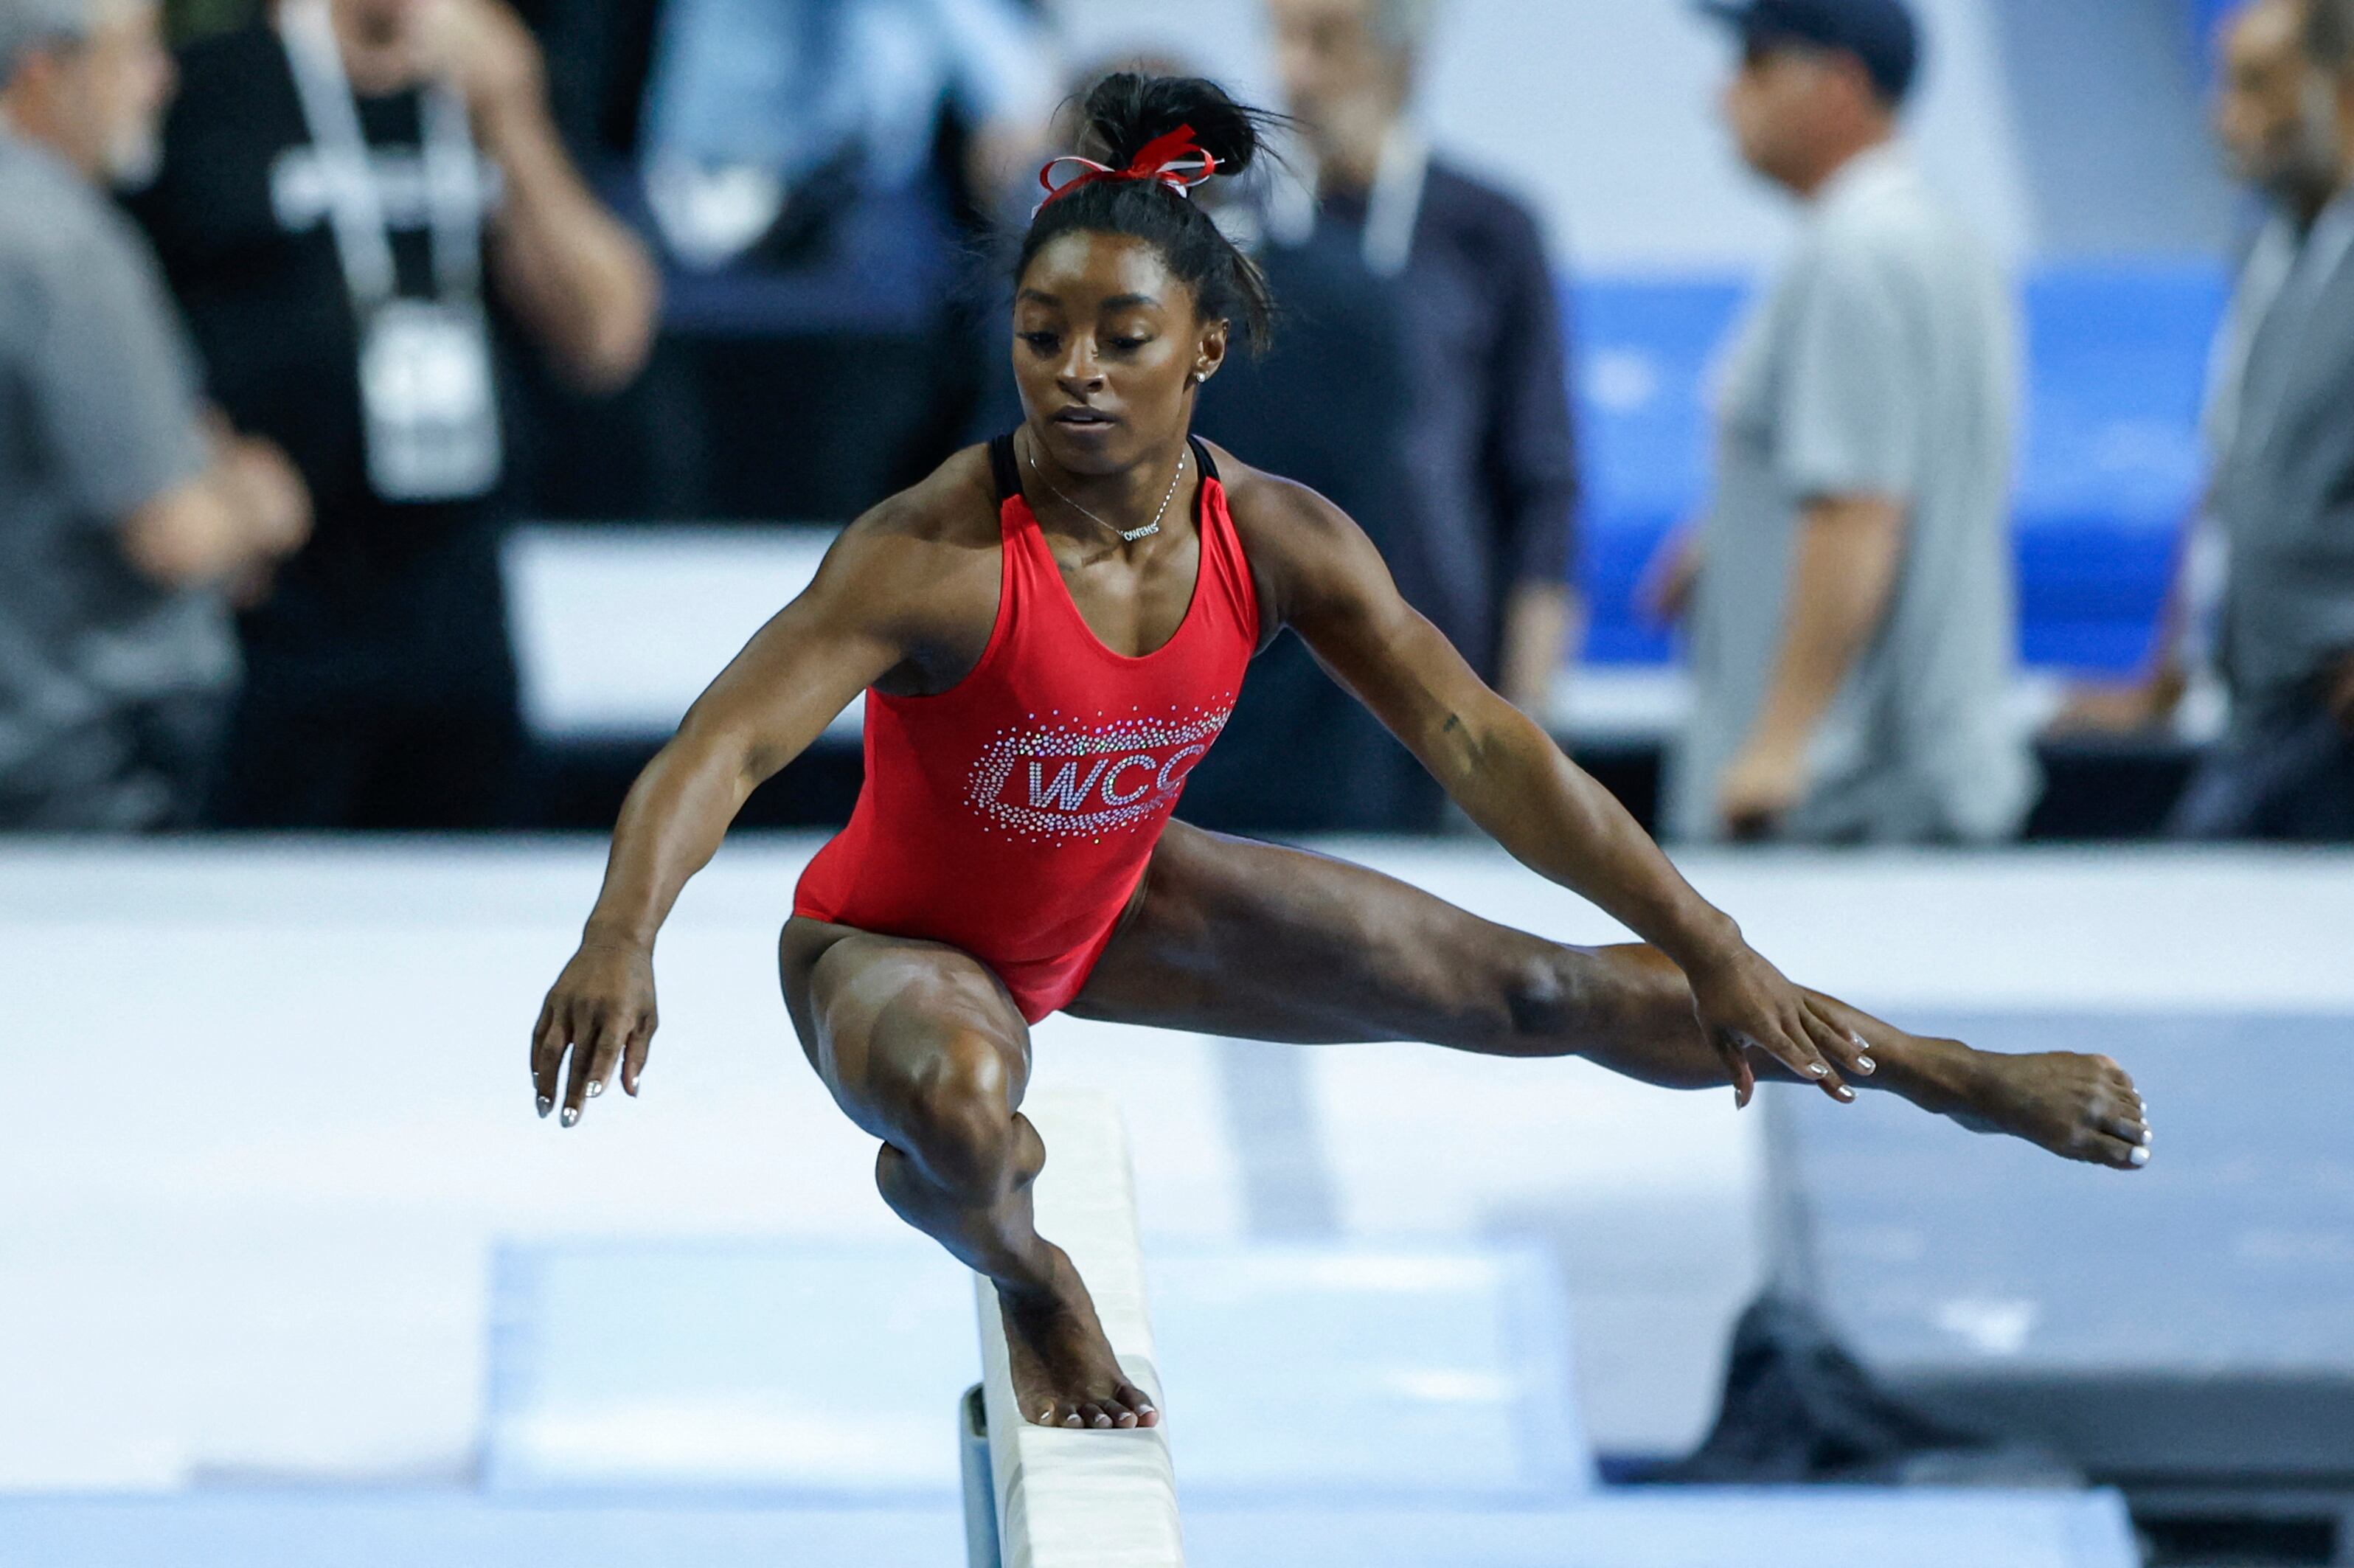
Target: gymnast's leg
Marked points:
920	1046
1237	938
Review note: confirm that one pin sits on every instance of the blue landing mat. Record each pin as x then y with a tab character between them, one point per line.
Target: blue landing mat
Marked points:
1425	1375
1831	1527
754	1366
1440	1375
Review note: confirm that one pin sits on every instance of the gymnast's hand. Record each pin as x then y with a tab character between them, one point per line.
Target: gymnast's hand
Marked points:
603	1008
1746	1004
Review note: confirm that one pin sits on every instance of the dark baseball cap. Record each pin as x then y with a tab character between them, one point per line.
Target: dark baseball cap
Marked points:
1879	33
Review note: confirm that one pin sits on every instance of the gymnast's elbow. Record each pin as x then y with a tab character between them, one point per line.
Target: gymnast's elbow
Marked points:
712	742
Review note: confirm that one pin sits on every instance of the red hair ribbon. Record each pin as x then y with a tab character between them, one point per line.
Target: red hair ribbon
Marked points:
1176	159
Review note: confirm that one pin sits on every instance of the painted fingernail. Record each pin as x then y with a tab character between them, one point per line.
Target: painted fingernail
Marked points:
596	1087
1866	1065
546	1105
1817	1068
2140	1155
571	1114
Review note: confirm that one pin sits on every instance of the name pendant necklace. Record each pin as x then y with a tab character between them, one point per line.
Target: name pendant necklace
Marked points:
1129	535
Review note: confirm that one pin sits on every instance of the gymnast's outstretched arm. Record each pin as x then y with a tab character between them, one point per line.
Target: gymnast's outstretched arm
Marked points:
1329	583
886	592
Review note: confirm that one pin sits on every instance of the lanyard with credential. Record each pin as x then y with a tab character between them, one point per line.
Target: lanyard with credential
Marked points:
355	200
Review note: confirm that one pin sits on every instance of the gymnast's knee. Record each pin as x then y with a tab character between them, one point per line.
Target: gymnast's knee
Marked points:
1538	993
955	1119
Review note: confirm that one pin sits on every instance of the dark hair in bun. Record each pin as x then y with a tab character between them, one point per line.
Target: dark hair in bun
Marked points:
1121	114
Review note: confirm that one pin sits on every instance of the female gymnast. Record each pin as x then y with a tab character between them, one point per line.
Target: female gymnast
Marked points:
1051	631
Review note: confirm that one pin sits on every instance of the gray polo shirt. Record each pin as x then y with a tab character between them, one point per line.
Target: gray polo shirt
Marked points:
1882	362
2284	488
98	415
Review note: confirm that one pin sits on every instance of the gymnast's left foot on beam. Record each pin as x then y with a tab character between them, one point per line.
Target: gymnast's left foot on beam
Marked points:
1063	1371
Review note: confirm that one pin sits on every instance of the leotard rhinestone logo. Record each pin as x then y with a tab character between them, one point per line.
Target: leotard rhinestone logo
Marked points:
1053	777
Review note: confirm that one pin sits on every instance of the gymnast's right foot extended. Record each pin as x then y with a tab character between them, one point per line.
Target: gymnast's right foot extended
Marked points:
1065	1373
2077	1107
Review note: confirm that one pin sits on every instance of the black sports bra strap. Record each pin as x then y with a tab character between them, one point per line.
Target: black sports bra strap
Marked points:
1202	455
1003	469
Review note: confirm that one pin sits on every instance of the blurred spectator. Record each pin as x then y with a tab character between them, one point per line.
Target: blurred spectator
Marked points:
764	117
125	511
337	188
816	169
1852	617
1485	544
2284	451
2265	120
1330	405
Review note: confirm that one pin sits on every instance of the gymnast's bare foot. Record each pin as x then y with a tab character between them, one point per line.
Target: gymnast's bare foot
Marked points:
2079	1107
1064	1370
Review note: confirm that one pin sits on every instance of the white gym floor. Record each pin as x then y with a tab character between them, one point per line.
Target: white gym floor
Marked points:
265	1112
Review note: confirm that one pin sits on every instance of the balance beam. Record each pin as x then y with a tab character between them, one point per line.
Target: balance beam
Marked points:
1065	1496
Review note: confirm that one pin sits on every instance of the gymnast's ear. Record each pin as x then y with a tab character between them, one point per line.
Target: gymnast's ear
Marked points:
1210	352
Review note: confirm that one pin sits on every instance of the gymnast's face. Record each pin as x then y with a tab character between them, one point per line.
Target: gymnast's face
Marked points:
1106	346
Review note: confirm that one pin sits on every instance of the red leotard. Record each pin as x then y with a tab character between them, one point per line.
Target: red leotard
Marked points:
1013	814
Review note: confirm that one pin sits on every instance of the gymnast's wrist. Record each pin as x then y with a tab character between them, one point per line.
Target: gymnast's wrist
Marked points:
616	934
1708	940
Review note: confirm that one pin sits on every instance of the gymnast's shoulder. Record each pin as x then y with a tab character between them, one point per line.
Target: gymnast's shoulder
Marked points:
925	544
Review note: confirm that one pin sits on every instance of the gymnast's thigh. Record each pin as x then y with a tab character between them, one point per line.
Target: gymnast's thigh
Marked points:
1233	936
884	1020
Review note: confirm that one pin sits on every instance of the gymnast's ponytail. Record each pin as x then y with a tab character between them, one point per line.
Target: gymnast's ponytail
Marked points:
1136	173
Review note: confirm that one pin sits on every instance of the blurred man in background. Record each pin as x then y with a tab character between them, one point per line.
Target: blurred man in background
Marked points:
347	191
1852	617
127	513
1488	537
1419	381
832	165
2283	450
2264	119
764	115
1331	404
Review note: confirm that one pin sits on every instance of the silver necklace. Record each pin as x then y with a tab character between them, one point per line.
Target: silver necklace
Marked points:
1130	534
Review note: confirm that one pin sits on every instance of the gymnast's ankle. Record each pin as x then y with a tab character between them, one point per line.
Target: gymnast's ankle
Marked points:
1049	1284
